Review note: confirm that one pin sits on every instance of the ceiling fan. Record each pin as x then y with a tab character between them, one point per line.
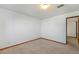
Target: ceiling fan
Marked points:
45	6
61	5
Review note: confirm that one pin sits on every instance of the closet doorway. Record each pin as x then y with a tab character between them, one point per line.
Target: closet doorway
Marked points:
72	31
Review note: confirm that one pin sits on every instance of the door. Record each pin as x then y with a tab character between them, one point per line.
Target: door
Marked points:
72	39
78	30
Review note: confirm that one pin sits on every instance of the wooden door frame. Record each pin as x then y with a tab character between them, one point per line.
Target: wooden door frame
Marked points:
76	27
78	31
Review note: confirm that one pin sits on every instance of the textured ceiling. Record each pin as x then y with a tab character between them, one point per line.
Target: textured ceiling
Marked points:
34	10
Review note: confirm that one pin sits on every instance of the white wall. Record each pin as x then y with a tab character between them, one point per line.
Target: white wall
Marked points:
71	26
71	29
17	28
54	28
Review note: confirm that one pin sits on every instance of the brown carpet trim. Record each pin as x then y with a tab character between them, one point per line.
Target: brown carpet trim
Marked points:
19	44
71	36
52	40
31	41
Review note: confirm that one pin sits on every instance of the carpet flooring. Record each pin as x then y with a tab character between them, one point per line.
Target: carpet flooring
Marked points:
73	41
41	46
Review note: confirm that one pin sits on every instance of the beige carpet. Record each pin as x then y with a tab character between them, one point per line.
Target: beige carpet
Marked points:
73	41
40	46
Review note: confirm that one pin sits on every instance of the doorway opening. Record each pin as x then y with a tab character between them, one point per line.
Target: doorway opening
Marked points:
72	31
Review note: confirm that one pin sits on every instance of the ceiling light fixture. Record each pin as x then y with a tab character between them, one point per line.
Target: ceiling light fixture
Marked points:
44	6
